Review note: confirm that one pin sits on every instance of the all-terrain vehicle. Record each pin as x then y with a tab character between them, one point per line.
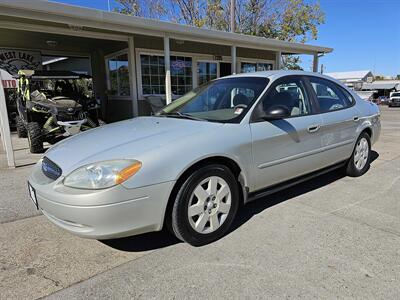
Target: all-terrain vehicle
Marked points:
53	105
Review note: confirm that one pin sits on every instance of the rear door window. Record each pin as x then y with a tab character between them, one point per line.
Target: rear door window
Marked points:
329	96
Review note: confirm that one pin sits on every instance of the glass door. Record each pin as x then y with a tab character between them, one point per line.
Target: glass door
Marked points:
206	71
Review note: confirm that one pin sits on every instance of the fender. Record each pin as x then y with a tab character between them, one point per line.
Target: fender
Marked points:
243	177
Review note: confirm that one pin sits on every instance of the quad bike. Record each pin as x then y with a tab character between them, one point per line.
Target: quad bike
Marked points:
53	105
11	103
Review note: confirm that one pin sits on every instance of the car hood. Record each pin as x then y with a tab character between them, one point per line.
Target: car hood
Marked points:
123	140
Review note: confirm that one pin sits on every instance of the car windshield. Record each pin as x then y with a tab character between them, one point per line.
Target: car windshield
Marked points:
396	95
223	100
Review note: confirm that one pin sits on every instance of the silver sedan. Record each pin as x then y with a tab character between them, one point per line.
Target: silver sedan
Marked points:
191	165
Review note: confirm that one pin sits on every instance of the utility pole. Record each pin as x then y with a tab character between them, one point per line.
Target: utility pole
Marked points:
109	6
233	15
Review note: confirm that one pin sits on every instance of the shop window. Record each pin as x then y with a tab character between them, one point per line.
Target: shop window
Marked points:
118	67
181	75
254	67
206	71
153	74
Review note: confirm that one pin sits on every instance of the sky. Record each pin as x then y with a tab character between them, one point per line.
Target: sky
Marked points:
365	34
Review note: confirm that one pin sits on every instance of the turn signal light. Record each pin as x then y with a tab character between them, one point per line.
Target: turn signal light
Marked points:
126	173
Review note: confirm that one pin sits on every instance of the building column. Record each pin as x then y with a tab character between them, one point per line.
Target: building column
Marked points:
5	129
315	62
167	60
234	61
132	76
278	60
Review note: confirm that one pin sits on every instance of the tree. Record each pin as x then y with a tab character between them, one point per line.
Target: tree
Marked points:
287	20
153	9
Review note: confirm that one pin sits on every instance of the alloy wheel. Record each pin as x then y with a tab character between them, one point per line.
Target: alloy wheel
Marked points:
361	153
209	205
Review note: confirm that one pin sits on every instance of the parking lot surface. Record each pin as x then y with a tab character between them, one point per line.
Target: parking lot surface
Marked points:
330	237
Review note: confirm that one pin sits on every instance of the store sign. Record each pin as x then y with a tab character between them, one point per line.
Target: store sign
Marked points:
14	60
217	57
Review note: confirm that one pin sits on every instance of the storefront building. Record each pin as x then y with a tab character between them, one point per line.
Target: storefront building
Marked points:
131	58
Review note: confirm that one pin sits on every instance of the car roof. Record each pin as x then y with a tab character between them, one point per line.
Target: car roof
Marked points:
275	74
279	73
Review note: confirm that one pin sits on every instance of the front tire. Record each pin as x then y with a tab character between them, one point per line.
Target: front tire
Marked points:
359	162
206	205
35	137
21	129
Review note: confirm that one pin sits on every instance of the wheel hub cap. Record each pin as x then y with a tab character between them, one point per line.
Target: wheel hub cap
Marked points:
361	153
209	205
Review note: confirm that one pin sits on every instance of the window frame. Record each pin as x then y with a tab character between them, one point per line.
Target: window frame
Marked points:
254	118
337	88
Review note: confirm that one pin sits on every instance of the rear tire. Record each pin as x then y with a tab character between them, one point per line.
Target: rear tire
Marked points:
359	161
205	205
35	138
21	129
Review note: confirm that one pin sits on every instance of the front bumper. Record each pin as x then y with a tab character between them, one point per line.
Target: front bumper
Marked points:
101	214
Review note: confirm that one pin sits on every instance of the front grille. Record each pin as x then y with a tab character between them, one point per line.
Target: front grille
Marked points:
50	169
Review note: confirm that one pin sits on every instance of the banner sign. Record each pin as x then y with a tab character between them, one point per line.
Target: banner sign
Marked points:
9	84
7	80
14	60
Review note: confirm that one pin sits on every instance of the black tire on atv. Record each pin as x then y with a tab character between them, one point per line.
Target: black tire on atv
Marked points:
21	129
35	137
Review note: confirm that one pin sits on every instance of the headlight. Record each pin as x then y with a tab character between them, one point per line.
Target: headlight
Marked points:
103	174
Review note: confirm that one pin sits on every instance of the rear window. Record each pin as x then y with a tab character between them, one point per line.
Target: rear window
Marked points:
396	95
347	95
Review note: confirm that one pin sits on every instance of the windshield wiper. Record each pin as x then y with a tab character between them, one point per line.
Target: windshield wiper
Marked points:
181	115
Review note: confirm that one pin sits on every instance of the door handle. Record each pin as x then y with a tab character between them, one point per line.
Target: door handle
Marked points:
313	128
356	118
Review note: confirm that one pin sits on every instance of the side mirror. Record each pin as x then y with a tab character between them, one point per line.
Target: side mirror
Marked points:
276	112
